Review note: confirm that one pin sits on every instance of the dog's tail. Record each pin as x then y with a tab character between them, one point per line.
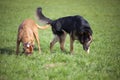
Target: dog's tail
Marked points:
41	17
43	27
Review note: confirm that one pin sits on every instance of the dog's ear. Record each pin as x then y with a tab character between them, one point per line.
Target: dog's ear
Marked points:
81	32
88	33
58	26
90	36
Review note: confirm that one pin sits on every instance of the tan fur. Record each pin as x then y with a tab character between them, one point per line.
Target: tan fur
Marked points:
27	33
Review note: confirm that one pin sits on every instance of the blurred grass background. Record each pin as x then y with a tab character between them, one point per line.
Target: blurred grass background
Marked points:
103	62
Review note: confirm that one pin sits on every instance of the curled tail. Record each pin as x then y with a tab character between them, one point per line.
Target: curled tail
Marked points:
43	27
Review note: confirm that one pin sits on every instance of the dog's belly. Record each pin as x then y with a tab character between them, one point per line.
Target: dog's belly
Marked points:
74	36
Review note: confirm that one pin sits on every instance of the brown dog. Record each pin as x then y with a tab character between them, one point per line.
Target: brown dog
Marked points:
27	33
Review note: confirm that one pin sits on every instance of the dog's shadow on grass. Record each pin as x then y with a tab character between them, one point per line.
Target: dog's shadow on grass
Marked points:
7	50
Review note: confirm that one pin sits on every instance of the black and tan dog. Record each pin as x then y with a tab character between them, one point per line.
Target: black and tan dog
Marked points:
76	26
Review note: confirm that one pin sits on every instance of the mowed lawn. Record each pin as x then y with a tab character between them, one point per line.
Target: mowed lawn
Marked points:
103	62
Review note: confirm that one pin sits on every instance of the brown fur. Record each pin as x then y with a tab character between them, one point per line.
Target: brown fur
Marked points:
27	33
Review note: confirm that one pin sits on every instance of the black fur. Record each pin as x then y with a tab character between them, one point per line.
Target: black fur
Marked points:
70	24
42	18
76	26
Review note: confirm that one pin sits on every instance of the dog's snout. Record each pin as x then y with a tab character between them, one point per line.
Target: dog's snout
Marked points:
86	48
27	53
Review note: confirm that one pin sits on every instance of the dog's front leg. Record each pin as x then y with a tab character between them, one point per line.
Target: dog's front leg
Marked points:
17	48
71	45
62	42
39	46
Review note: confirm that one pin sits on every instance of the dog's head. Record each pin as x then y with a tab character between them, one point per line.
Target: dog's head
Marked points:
28	48
85	40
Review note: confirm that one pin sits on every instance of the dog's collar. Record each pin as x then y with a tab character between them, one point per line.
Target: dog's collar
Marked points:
27	44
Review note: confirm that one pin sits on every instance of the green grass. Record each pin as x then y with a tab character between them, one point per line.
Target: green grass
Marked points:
103	62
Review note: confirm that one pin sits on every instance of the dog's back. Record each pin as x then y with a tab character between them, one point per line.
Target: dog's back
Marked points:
70	24
25	31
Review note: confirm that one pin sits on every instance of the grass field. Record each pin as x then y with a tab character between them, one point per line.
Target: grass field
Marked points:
103	62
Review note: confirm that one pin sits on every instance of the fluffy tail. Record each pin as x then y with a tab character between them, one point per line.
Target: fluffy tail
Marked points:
41	17
43	27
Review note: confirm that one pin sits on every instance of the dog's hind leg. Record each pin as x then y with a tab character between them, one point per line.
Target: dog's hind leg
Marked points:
52	43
